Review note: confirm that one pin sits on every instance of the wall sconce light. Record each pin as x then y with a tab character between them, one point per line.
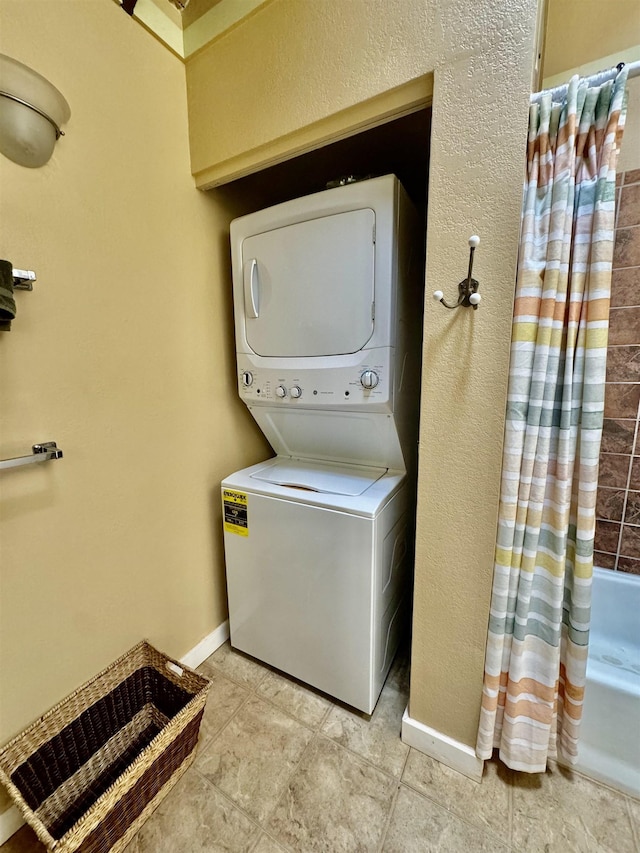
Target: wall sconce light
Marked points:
31	112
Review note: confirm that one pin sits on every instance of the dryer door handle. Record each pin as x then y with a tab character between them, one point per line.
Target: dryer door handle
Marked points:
251	289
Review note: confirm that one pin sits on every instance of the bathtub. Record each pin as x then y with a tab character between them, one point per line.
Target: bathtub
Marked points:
609	747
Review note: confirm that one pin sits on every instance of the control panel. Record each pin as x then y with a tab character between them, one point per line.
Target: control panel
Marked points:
364	384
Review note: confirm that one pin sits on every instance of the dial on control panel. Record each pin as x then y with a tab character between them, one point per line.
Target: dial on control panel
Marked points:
369	379
296	391
247	378
281	391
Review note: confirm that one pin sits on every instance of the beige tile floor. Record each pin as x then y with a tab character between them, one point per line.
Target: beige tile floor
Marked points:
282	768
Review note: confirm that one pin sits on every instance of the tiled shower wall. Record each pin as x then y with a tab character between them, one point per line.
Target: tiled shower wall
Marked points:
618	507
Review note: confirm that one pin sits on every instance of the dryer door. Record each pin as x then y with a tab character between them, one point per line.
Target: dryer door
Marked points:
309	287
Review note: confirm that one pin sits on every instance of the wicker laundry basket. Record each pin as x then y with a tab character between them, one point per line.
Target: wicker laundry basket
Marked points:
90	771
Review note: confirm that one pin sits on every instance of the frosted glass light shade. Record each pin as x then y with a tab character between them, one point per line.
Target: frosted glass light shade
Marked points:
26	136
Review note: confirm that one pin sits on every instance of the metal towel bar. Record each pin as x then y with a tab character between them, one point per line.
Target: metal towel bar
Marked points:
41	453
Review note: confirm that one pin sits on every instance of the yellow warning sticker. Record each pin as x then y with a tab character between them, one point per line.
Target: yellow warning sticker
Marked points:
234	508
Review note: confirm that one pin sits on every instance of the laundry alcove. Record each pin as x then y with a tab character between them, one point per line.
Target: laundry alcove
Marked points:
398	147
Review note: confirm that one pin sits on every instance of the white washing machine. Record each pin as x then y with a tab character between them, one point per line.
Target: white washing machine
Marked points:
318	585
327	302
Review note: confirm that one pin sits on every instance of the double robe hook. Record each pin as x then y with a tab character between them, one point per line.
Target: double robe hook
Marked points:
468	295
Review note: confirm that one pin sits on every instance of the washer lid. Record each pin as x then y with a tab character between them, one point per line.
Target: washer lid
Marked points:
327	478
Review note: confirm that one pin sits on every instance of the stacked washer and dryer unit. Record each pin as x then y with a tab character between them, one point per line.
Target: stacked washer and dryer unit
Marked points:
318	540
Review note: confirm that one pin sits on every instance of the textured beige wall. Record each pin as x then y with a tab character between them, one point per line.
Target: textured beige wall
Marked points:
123	354
480	107
293	65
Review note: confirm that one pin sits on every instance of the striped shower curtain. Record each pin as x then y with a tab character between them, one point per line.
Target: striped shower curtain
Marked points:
540	607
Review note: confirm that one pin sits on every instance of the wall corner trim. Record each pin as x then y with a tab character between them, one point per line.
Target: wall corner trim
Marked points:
207	646
11	820
458	756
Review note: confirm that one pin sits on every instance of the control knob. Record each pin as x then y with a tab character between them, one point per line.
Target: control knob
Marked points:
296	391
281	391
247	378
369	379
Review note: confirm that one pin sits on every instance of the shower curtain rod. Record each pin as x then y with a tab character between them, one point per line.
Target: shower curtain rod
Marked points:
594	79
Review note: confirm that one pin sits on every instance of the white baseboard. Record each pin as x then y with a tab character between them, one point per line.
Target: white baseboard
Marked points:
11	820
207	646
444	749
